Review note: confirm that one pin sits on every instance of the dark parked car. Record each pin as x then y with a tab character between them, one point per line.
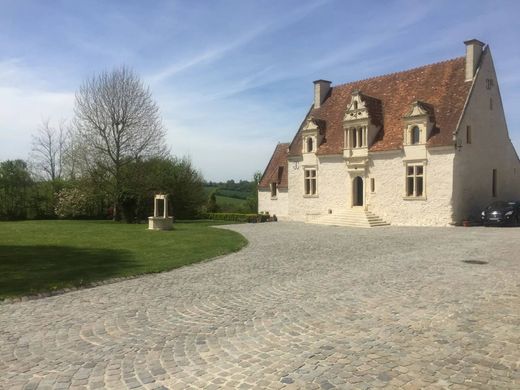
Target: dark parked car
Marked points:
501	213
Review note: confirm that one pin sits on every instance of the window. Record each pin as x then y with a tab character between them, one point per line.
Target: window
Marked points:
489	83
372	185
310	146
468	134
355	105
310	182
491	104
273	190
357	137
280	174
415	135
415	180
494	184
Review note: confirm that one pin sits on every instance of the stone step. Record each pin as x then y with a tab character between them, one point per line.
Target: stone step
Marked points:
354	218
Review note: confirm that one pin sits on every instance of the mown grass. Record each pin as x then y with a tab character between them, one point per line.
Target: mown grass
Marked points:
37	256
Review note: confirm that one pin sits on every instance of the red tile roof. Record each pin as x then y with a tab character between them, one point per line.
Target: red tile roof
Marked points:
276	171
439	85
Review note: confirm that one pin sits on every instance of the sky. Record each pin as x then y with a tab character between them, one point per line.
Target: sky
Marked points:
232	78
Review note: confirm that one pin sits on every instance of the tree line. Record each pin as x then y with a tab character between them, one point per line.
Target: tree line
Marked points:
107	162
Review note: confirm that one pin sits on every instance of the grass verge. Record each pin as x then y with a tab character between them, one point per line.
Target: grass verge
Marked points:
42	256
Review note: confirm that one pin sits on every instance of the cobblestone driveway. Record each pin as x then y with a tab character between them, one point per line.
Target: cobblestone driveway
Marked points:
303	306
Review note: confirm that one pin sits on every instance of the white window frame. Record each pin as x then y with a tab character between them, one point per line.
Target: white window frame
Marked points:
310	182
415	175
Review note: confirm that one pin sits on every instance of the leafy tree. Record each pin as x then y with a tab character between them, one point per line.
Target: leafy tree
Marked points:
15	189
253	200
117	123
212	206
174	176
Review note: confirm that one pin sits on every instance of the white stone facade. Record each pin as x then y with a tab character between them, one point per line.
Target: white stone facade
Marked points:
277	205
335	184
489	148
456	174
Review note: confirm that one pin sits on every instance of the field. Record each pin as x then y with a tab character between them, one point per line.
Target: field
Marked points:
231	200
38	256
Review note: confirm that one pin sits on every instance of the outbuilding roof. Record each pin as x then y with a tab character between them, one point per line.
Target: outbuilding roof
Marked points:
276	171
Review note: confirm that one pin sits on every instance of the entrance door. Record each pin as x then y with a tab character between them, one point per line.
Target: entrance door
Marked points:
358	191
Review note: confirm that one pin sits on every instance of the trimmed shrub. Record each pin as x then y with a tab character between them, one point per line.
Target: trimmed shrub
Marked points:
236	217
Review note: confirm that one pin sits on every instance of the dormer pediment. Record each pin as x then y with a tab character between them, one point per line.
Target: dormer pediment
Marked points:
419	109
357	108
311	125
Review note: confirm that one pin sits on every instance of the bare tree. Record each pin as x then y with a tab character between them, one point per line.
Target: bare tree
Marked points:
117	122
49	148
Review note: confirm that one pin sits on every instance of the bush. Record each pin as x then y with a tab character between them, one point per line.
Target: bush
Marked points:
236	217
72	203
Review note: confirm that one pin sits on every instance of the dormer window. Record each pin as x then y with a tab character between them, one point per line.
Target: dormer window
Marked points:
419	122
356	137
310	145
311	135
361	121
415	135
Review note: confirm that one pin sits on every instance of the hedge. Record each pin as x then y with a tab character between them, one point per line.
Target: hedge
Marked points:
237	217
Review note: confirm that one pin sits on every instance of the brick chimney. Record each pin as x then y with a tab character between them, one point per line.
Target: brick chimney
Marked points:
473	53
321	89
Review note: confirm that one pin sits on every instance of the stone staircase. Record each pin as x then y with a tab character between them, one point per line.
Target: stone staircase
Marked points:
355	217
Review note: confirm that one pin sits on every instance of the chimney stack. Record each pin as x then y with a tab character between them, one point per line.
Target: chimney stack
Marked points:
321	89
473	53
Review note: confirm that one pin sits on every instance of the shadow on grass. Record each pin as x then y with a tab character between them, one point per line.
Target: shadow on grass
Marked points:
26	270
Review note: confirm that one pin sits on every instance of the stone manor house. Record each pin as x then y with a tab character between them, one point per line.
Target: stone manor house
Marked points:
426	146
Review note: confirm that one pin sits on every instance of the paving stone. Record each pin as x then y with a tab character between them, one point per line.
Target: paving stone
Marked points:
302	306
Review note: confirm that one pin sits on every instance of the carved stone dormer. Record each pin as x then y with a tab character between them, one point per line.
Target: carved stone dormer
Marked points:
362	121
418	123
312	135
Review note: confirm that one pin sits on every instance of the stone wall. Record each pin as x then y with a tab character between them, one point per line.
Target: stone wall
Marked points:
331	189
388	200
490	148
274	206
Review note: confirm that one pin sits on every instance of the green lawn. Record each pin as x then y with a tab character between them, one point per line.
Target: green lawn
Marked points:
38	256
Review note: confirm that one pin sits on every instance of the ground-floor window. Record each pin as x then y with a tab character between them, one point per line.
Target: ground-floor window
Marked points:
415	180
273	190
372	185
310	182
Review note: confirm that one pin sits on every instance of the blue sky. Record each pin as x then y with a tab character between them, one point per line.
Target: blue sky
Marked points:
232	78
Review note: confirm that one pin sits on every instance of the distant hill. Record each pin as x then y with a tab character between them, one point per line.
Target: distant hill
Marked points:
233	197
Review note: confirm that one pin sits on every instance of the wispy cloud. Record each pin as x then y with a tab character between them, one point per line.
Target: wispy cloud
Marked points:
232	78
217	50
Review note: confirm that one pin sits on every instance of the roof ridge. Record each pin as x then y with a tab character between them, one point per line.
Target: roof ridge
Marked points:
399	72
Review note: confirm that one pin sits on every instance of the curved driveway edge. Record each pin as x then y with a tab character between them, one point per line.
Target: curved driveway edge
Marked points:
302	306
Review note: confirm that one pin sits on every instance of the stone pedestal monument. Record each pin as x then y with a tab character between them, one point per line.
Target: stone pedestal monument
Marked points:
158	222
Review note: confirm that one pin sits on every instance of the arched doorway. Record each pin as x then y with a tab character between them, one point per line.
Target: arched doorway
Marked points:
357	191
